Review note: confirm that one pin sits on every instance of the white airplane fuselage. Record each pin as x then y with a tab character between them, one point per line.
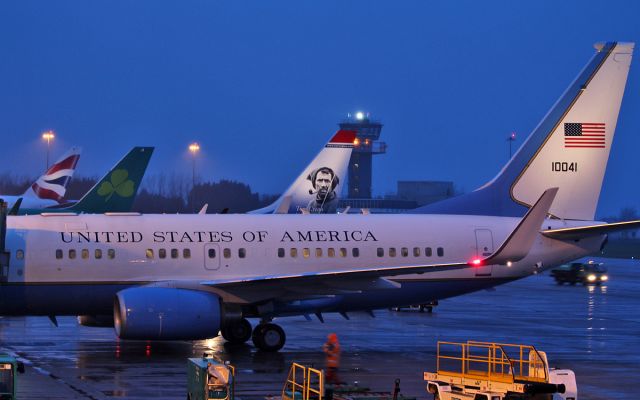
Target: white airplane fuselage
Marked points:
70	265
29	202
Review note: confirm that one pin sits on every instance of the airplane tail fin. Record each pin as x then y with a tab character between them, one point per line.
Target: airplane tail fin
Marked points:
569	148
53	184
319	185
116	191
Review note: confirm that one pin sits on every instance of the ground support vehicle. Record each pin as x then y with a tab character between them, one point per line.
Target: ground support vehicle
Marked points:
9	368
496	371
304	383
209	379
584	273
428	307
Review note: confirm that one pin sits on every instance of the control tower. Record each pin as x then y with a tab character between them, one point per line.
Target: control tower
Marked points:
366	145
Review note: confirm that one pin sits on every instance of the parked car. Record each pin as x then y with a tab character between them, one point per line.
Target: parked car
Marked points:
586	273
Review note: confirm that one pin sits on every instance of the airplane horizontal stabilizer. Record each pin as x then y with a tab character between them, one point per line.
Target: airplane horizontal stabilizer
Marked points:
581	232
518	244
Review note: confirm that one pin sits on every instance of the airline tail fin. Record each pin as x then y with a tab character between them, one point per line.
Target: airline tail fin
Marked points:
53	184
116	191
569	148
319	185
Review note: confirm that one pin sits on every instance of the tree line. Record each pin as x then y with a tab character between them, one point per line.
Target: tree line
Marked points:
164	193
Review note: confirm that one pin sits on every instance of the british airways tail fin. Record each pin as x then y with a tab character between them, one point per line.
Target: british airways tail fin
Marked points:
53	184
319	185
569	148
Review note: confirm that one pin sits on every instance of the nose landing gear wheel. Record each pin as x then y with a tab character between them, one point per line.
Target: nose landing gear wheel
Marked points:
268	337
237	332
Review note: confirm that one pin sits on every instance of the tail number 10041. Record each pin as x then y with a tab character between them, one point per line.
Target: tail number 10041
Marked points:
557	166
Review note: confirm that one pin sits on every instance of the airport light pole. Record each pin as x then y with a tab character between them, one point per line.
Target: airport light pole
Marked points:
511	138
48	136
193	148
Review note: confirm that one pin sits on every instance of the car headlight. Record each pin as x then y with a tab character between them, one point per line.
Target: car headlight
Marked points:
591	277
604	278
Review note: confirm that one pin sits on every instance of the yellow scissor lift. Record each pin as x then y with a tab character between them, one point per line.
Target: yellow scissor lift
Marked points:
491	371
306	383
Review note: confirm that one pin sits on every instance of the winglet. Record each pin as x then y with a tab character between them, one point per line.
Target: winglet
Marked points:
15	210
517	245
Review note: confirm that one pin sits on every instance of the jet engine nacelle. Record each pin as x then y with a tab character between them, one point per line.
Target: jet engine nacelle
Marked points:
156	313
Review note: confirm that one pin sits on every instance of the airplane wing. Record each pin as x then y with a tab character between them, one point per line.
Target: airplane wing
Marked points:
589	230
322	283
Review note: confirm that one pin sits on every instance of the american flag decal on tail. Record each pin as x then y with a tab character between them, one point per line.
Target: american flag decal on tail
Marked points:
584	135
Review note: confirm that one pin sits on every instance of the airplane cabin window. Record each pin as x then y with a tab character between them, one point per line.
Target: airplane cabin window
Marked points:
427	251
84	254
380	252
294	252
111	254
150	253
343	252
280	252
242	253
416	251
226	253
404	251
72	254
174	253
186	253
440	251
331	252
305	252
98	254
355	252
19	254
318	252
162	253
392	251
58	254
212	253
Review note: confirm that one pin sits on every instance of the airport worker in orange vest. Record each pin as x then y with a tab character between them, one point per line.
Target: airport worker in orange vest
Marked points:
332	353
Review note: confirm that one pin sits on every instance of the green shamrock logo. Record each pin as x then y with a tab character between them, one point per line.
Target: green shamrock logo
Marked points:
119	184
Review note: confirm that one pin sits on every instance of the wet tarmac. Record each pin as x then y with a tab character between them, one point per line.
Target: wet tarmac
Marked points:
593	330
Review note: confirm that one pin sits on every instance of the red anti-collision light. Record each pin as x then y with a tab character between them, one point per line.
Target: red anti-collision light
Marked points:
476	262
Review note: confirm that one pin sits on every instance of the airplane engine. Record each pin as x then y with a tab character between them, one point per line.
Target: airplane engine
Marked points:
155	313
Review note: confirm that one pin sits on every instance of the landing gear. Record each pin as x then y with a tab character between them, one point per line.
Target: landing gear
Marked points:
237	332
268	337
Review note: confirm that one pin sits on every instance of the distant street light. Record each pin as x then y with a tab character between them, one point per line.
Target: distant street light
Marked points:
193	148
48	136
511	138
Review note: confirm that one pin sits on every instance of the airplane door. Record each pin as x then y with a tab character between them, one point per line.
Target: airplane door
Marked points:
212	257
484	248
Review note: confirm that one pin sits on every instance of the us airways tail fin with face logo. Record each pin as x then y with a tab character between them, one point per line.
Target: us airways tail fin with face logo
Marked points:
116	191
318	187
569	148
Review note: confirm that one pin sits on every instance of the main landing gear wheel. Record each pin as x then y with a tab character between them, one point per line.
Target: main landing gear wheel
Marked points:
237	332
268	337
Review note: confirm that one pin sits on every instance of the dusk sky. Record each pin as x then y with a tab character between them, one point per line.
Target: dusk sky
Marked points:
261	85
